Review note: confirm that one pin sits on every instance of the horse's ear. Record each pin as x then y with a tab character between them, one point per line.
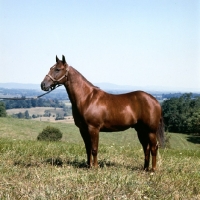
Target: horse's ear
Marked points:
57	59
63	60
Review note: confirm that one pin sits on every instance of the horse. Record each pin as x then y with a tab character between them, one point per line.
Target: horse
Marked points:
95	110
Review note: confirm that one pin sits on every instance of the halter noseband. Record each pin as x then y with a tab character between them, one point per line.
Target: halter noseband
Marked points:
57	81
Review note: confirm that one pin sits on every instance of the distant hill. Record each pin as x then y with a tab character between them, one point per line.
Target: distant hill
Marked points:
107	86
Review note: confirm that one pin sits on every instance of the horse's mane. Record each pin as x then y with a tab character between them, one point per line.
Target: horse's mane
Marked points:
88	82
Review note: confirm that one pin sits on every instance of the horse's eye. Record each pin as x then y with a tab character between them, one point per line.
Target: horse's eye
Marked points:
57	70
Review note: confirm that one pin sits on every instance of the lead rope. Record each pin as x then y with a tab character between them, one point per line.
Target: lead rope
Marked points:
49	91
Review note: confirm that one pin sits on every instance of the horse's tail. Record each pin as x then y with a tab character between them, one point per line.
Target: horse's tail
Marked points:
160	133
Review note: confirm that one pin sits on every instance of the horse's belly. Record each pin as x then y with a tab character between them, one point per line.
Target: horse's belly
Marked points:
119	124
114	128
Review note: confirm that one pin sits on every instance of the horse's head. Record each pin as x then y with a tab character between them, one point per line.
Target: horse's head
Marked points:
56	76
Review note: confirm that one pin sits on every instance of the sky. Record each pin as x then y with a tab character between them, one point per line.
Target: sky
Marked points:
139	43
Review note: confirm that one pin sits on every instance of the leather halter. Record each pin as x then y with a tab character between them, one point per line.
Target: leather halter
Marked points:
57	81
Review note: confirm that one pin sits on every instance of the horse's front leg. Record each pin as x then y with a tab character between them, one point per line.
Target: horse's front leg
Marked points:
94	138
86	138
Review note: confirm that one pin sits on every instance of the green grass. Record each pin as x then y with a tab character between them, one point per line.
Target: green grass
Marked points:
30	169
24	129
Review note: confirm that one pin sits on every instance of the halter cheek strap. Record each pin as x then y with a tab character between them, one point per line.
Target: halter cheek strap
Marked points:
56	81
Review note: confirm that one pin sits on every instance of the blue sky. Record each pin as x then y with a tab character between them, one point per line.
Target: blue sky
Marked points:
139	43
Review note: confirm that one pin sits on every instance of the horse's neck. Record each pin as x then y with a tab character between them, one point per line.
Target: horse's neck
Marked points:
77	87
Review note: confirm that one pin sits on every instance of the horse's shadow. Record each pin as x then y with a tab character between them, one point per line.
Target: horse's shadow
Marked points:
83	164
76	163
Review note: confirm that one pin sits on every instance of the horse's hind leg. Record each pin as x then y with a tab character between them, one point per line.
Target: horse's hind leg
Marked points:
144	140
153	148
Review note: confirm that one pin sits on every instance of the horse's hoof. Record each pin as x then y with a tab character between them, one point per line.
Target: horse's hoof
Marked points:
146	169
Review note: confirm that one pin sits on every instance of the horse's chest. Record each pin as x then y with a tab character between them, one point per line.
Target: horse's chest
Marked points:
78	117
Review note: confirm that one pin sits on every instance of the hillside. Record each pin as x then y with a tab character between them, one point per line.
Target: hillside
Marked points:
20	129
57	170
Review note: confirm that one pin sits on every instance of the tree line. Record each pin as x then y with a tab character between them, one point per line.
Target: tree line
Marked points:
178	95
10	104
60	94
182	114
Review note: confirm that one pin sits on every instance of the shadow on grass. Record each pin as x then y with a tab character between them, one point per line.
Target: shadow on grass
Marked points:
102	164
32	163
74	163
54	161
26	163
59	163
83	164
195	138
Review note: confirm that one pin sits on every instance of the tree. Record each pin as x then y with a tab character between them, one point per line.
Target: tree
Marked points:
26	114
34	116
182	115
2	110
20	115
50	134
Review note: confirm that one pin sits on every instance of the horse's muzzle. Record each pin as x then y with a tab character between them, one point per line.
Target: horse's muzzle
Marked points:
44	87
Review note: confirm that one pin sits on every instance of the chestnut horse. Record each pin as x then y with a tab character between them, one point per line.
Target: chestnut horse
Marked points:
96	111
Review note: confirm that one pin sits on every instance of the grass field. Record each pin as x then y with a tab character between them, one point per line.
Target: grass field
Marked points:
30	169
40	111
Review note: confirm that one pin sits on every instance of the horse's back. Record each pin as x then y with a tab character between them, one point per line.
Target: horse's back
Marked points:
138	100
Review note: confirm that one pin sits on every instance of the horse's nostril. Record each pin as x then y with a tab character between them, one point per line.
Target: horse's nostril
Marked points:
42	85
